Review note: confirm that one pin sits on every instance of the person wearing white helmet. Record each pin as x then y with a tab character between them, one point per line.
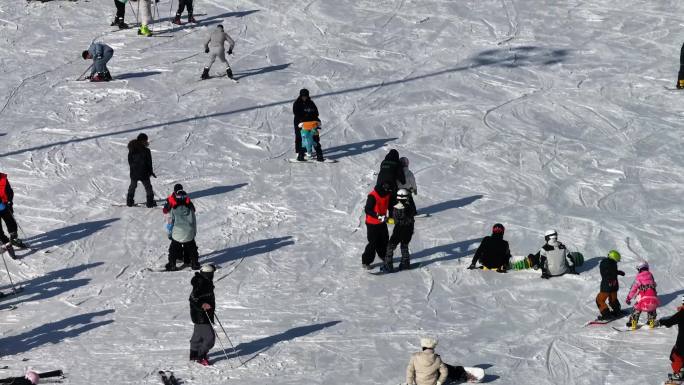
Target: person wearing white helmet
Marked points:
553	257
403	215
202	305
644	290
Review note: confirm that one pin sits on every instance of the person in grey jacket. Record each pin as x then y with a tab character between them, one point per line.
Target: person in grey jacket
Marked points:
182	228
553	257
101	54
214	46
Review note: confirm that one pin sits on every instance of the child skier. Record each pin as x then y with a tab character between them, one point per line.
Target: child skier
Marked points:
182	228
305	110
677	352
308	131
101	54
202	305
553	257
644	288
609	287
493	253
214	46
7	216
403	215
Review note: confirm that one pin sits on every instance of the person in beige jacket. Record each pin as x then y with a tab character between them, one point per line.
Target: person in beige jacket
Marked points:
426	367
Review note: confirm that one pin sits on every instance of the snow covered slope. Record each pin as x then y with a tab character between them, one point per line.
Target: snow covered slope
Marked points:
537	114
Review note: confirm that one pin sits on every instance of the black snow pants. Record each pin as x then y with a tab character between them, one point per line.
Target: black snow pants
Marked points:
120	10
401	235
187	252
681	64
8	218
377	243
181	7
456	373
149	193
202	341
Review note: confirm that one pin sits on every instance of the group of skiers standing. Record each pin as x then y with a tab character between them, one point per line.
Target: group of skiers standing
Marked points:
146	14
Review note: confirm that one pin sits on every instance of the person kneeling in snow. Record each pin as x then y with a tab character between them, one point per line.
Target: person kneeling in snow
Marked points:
202	305
101	54
553	257
493	253
426	367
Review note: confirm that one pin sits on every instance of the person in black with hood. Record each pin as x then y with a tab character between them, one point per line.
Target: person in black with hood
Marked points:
376	209
391	170
140	163
305	110
202	305
493	253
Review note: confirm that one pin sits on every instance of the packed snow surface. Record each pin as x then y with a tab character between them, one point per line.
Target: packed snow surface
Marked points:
536	114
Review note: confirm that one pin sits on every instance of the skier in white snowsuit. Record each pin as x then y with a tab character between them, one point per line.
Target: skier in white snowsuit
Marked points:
214	46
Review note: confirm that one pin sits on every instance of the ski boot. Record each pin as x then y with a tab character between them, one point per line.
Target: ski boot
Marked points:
150	204
652	322
680	84
123	25
170	267
10	250
632	324
177	20
191	19
365	266
605	315
405	262
144	30
204	361
300	157
115	22
205	73
387	267
106	76
229	73
97	78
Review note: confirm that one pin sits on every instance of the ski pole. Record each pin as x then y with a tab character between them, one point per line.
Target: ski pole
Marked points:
229	341
217	336
171	10
14	289
84	72
133	10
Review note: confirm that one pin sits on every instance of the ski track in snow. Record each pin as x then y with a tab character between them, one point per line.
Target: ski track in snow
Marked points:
515	112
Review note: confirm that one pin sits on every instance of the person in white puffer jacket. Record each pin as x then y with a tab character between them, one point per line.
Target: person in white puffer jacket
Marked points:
214	46
553	257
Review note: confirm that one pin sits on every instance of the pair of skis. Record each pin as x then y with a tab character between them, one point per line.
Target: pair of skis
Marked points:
168	378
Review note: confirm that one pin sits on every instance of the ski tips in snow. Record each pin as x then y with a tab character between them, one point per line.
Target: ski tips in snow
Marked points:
326	160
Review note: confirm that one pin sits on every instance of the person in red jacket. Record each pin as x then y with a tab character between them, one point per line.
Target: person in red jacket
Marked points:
7	216
377	204
677	352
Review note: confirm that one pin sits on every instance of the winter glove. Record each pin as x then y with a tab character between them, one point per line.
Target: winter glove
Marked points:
628	301
620	272
230	51
206	49
382	218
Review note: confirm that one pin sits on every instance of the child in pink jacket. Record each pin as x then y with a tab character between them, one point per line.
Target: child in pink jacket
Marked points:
644	289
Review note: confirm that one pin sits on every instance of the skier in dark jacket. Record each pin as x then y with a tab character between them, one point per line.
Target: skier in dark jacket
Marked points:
376	207
140	163
202	305
493	253
402	214
680	76
391	170
609	287
305	110
677	352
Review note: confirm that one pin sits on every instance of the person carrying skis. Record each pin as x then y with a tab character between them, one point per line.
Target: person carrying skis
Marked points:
553	257
391	170
376	226
120	13
100	53
214	46
140	163
427	368
305	111
493	253
182	4
609	287
677	352
202	305
403	215
7	216
644	289
182	228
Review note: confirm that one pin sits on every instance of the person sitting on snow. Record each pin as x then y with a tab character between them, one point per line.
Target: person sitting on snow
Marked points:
493	253
553	257
426	367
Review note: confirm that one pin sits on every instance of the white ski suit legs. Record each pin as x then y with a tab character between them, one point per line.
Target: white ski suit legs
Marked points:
214	53
145	12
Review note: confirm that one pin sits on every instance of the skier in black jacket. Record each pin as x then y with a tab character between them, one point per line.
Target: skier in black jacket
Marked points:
402	214
677	352
493	253
140	163
680	76
305	110
391	170
609	287
202	305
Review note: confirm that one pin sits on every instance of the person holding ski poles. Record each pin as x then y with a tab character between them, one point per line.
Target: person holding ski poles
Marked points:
202	305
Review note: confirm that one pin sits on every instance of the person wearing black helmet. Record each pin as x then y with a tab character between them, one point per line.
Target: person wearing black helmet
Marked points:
402	214
202	305
376	207
182	228
493	253
140	163
305	110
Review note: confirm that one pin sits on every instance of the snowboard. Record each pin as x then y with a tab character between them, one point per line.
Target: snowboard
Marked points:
597	322
326	160
478	373
396	269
